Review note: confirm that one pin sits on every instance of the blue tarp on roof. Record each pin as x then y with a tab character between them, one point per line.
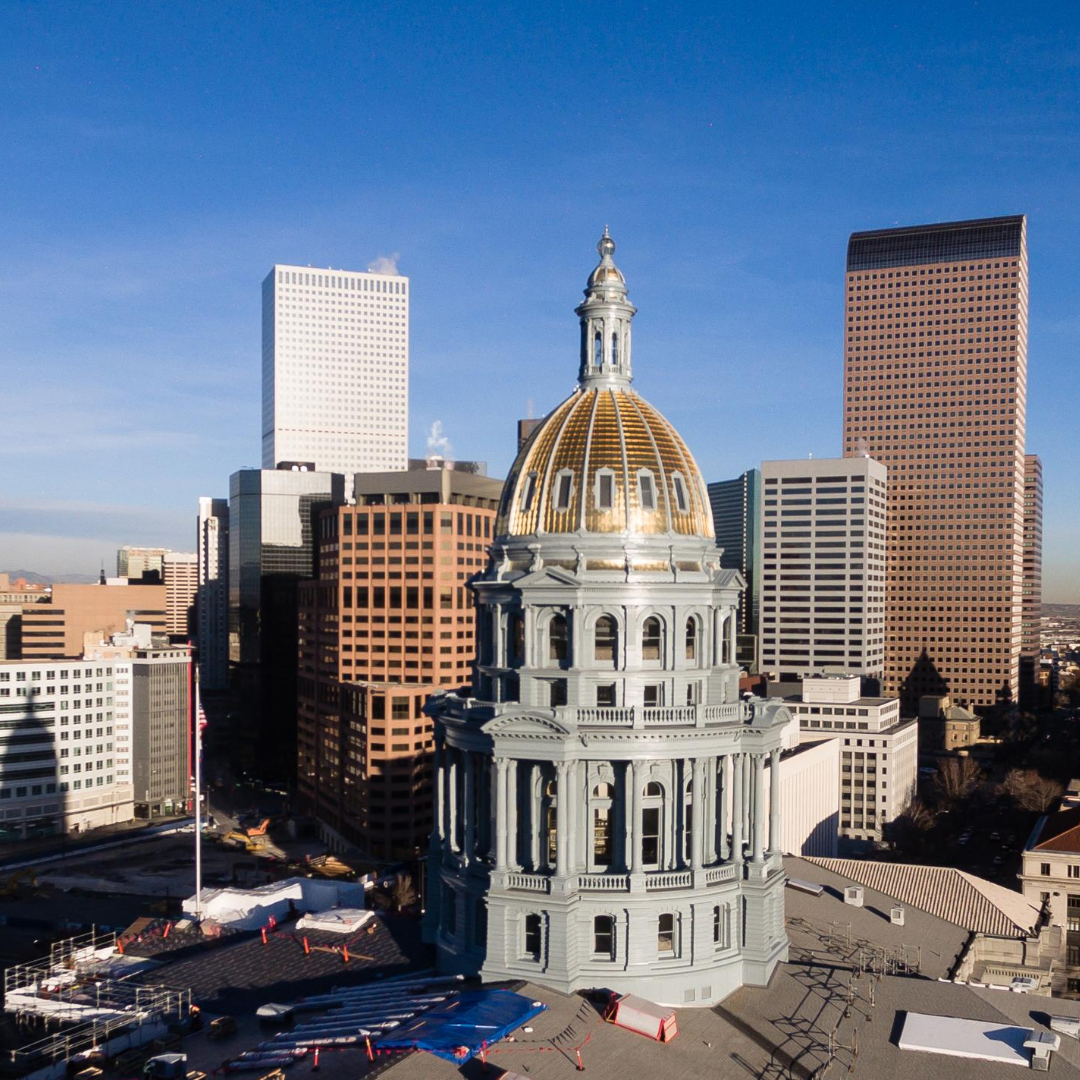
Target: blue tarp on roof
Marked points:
458	1029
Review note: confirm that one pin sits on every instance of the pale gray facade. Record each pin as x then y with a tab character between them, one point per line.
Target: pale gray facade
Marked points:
603	818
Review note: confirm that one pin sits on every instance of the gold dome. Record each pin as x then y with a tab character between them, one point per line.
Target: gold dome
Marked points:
596	464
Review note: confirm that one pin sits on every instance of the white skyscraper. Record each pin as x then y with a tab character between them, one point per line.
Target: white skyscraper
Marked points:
335	369
823	566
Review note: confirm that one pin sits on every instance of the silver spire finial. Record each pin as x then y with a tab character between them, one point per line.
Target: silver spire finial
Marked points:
605	245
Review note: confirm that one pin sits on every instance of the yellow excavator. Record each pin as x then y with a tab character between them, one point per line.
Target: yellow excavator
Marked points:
24	877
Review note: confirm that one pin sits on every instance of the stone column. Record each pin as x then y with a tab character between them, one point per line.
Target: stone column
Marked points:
721	806
737	809
452	797
697	837
513	836
748	796
626	815
774	802
536	818
759	806
499	624
499	798
562	813
438	827
634	832
469	780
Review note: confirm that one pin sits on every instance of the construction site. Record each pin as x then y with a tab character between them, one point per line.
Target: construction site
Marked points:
299	973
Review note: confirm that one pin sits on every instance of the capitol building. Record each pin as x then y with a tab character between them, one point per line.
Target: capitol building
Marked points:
603	815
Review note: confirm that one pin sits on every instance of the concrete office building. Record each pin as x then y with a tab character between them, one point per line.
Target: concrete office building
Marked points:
181	579
584	837
823	567
335	374
736	512
152	718
935	388
14	596
879	755
138	563
58	758
272	520
59	628
212	598
1031	600
389	620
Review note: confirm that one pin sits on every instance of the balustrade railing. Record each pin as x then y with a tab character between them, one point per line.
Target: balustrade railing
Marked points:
675	879
529	882
629	716
715	874
604	882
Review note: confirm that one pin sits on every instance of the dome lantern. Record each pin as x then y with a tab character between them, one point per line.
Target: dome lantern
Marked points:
605	322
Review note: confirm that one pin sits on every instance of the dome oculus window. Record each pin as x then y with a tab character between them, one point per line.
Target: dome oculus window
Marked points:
681	500
647	490
564	486
605	489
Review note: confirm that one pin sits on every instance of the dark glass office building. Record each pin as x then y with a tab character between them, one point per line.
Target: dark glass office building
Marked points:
736	511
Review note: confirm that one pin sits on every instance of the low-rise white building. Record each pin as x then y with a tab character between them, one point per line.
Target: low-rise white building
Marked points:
1050	878
93	741
879	751
58	748
810	795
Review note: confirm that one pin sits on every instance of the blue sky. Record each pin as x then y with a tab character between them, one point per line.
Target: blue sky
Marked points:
158	158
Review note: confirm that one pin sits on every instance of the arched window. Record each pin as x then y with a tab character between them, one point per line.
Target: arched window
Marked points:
598	350
691	638
528	491
652	639
615	349
605	646
646	490
533	936
665	935
602	835
604	936
653	790
603	824
681	500
558	638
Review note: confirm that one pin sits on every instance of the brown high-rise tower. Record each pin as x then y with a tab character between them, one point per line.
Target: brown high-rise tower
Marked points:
935	381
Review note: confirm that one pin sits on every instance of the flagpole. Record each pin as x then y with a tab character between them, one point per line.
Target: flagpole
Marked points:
198	802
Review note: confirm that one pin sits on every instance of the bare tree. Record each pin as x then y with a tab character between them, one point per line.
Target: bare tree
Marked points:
957	778
403	892
1031	791
906	832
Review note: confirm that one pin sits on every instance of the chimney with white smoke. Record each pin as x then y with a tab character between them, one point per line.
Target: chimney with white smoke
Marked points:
384	264
438	446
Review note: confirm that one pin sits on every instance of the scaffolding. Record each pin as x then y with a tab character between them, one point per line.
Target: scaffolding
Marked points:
90	1009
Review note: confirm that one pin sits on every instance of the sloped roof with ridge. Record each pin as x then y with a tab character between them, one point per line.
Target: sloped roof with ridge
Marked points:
1059	832
968	901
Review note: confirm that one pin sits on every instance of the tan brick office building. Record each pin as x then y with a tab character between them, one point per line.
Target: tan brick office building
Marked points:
935	386
389	620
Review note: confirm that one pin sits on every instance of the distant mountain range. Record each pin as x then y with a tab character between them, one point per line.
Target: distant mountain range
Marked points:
32	577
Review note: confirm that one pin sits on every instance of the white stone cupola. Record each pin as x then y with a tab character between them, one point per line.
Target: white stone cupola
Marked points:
605	323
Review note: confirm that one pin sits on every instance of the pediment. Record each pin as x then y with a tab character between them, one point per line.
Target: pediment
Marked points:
546	575
525	725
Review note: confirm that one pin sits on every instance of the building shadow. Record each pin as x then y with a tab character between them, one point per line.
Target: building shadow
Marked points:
33	800
923	678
